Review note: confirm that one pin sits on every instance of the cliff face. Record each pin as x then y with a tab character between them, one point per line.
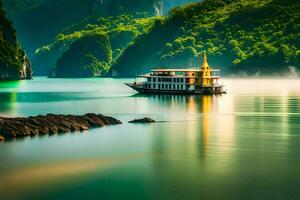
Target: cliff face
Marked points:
14	64
8	73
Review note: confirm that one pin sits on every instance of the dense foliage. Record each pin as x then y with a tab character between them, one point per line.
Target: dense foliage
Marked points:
121	30
38	21
11	54
240	35
87	57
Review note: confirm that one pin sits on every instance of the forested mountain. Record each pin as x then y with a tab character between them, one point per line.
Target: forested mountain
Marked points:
13	61
240	36
121	31
38	21
87	57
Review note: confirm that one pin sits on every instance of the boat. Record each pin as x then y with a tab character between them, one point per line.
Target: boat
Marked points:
201	80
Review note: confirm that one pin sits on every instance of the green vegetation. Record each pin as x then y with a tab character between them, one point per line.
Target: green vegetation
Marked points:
38	21
122	30
240	36
10	51
87	57
12	57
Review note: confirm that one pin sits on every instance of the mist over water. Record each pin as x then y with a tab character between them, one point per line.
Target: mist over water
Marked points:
213	147
293	72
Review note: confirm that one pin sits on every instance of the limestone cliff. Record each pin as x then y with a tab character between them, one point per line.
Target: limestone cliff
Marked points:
14	64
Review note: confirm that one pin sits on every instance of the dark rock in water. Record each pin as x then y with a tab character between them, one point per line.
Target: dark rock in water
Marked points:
51	124
143	120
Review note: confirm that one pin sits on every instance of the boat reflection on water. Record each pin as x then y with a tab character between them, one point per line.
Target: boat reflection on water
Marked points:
201	120
197	142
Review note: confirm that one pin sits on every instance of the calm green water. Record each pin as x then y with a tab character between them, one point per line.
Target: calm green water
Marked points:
243	145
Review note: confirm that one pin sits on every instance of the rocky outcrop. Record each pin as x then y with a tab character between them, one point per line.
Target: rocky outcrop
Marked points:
88	56
51	124
9	73
143	120
14	64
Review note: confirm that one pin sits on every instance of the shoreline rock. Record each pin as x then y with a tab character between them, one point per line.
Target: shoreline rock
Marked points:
142	121
11	128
